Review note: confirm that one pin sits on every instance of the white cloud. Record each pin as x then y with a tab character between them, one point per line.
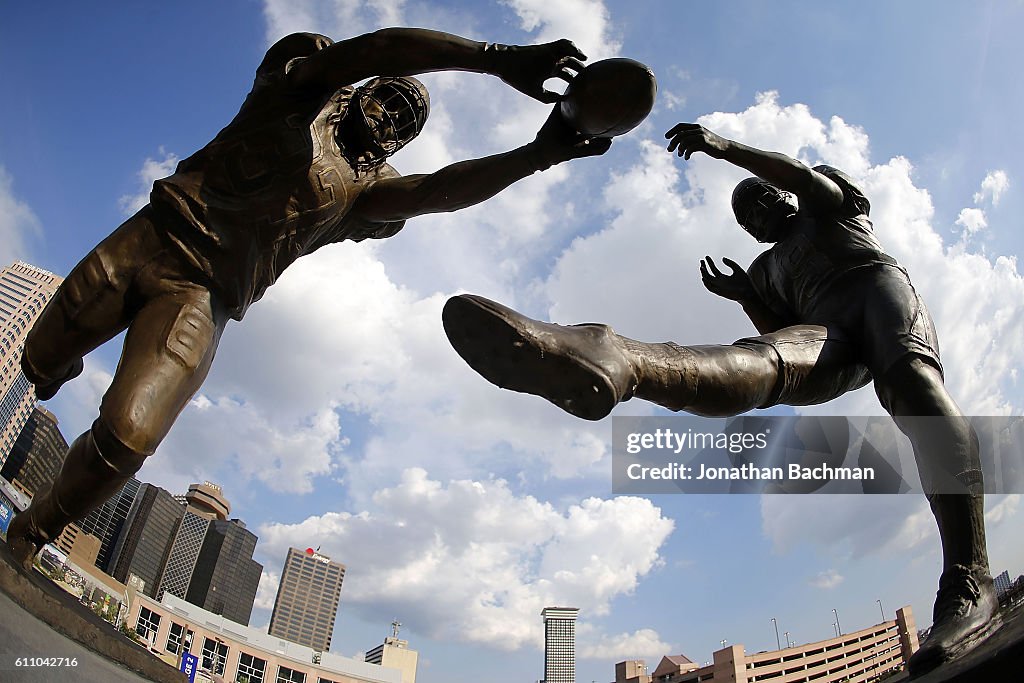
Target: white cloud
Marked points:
1004	510
972	220
266	593
827	580
17	221
152	170
472	561
641	643
585	22
993	187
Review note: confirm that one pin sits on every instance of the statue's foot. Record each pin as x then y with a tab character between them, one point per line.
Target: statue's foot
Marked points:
47	390
580	368
966	612
24	540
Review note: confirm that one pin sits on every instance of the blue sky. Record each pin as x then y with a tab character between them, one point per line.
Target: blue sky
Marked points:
337	415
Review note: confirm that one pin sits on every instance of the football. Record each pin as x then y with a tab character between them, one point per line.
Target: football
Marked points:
609	97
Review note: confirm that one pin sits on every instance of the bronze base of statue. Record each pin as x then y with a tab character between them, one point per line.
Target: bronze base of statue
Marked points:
995	656
42	620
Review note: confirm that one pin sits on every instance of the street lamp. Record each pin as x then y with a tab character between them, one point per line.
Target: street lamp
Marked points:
778	645
838	626
835	629
880	610
788	643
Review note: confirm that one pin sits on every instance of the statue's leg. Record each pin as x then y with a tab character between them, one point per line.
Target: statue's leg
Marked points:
946	450
587	369
167	355
91	306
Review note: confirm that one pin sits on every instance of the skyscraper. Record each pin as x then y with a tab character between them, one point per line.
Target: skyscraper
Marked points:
307	599
559	644
106	521
226	578
146	538
37	455
24	291
210	560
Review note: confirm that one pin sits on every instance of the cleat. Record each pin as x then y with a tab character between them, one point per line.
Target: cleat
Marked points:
965	614
582	369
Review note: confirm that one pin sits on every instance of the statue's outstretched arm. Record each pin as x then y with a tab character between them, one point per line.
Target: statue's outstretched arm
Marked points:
470	182
410	51
778	169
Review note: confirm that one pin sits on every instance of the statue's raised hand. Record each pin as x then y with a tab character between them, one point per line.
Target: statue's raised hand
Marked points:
527	67
736	286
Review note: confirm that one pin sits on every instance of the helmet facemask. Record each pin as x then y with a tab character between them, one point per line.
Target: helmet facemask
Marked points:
761	208
384	115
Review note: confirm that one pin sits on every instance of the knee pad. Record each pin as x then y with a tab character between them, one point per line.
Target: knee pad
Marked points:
116	455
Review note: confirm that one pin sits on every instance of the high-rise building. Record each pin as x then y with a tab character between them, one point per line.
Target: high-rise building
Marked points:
307	599
1002	583
37	455
146	538
24	291
107	521
226	578
559	644
210	559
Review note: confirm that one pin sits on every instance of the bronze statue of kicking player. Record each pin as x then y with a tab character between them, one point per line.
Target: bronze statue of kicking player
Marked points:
302	164
833	310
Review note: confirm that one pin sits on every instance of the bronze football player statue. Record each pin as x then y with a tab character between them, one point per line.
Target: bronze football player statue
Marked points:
833	310
302	164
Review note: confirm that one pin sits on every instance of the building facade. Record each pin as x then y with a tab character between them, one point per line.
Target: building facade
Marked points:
857	657
225	578
209	562
37	455
559	644
24	291
145	541
394	653
107	521
307	599
239	653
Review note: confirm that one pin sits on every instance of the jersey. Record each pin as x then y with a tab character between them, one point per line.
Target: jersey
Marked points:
272	186
823	246
831	271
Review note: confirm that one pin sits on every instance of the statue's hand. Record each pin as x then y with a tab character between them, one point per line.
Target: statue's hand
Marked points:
687	138
735	286
526	67
557	141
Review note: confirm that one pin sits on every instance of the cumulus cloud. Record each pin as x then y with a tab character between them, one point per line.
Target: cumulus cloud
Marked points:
152	169
17	222
993	187
472	561
827	579
972	220
266	593
643	642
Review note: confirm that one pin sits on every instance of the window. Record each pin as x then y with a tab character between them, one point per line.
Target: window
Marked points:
250	669
215	655
148	622
286	675
175	635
